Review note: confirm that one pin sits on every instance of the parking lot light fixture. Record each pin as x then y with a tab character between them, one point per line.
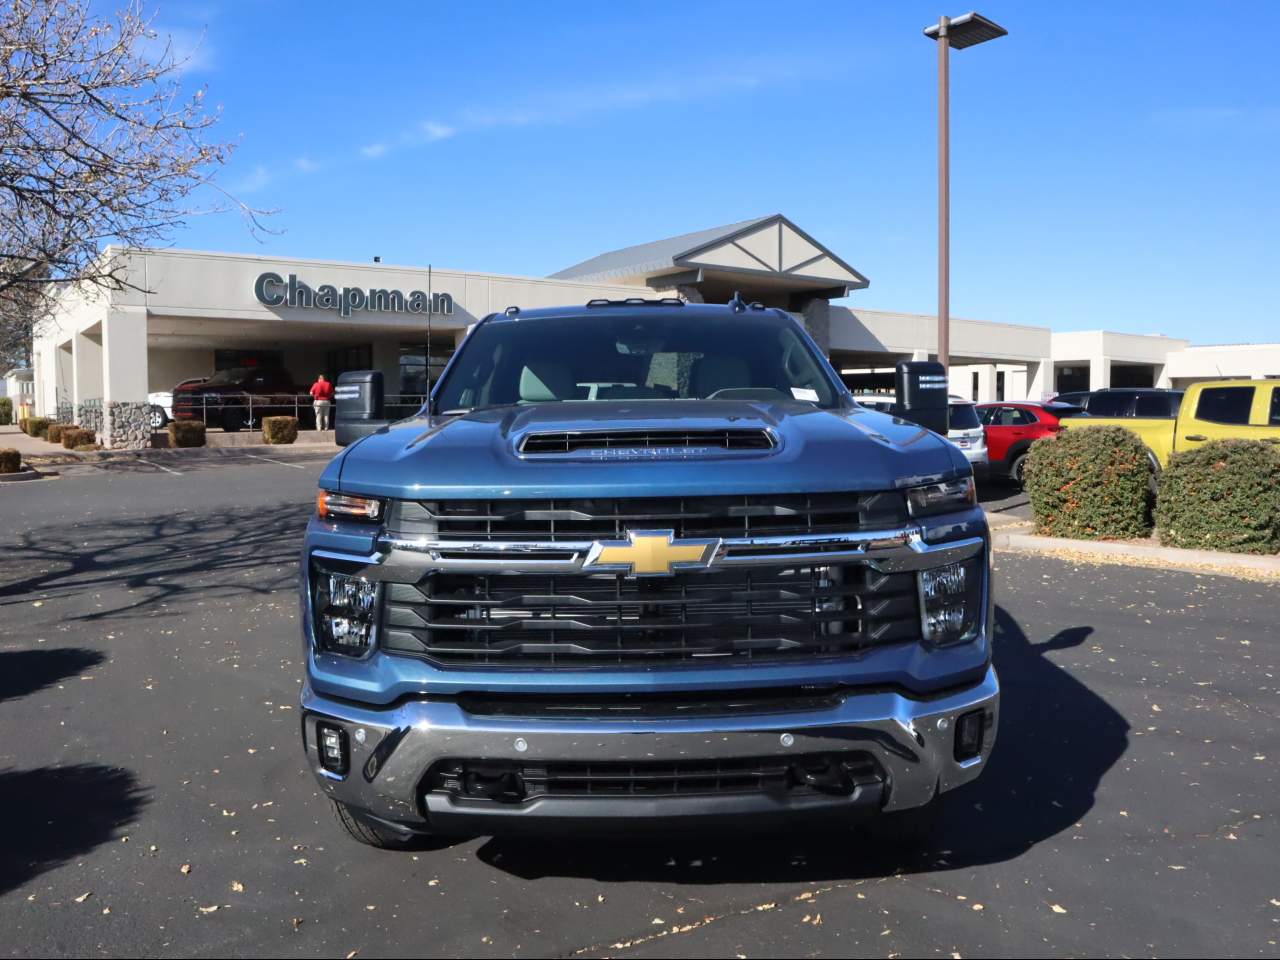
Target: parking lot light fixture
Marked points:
968	30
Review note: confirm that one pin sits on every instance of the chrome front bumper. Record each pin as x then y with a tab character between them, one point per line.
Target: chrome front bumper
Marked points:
392	749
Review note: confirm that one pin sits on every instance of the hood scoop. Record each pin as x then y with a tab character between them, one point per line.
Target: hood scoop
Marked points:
645	444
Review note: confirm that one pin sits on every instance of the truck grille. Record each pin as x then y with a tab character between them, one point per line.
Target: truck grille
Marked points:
833	773
577	621
695	517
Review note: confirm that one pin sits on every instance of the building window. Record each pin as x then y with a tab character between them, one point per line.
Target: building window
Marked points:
999	384
975	386
413	369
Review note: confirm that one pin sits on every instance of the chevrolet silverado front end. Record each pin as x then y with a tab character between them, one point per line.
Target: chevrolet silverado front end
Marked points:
643	565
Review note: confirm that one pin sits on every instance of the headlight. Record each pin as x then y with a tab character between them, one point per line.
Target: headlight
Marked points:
945	497
951	602
345	612
342	505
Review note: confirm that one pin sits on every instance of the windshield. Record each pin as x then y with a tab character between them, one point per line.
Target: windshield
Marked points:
667	356
234	375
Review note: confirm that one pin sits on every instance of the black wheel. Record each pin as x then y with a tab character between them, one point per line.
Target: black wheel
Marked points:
372	834
1018	471
156	418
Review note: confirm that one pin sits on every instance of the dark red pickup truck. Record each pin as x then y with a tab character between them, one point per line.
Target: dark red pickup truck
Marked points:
241	396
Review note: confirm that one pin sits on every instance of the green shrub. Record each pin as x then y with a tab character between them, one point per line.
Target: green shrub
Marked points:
73	437
279	429
186	433
37	426
53	433
6	411
10	461
1224	495
1091	483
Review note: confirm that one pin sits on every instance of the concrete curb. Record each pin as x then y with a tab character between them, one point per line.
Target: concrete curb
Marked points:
279	451
1142	554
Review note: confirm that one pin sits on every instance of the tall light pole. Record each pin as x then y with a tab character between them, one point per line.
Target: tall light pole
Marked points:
966	31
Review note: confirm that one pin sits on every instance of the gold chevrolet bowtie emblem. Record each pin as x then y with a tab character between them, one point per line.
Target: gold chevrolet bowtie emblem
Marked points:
649	553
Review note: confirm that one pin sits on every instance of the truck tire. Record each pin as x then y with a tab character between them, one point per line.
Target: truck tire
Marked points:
1018	469
156	418
371	834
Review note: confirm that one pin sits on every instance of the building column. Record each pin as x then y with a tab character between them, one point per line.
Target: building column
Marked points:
918	355
386	358
1099	372
1160	376
817	320
125	377
63	380
1040	379
86	380
986	382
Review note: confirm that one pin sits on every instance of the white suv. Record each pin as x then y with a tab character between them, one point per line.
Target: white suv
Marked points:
964	429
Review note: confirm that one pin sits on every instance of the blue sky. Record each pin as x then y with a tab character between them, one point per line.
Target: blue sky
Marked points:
1121	173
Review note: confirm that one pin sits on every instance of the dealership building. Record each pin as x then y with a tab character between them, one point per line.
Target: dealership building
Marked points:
185	314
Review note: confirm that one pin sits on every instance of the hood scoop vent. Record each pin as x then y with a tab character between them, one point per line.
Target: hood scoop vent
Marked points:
672	442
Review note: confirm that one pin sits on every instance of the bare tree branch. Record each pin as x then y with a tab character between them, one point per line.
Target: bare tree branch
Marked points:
98	145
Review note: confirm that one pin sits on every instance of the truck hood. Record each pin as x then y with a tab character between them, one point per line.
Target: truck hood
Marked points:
476	455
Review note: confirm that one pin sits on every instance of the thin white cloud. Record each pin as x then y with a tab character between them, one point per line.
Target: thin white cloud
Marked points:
1218	119
189	49
556	107
256	180
306	165
553	107
433	131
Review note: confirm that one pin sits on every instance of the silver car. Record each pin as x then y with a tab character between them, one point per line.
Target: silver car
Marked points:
965	430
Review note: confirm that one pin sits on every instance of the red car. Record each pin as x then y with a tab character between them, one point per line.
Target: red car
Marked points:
1012	427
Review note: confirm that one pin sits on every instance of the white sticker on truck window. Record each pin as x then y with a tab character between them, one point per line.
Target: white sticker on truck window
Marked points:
804	393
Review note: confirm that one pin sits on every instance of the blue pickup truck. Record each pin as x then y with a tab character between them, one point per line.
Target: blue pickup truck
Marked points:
643	564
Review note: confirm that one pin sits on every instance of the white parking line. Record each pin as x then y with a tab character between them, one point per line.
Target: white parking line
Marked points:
176	473
281	462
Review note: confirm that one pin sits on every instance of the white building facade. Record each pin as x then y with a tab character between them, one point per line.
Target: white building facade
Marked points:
186	314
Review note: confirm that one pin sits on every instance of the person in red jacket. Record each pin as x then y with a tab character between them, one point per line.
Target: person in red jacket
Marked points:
322	400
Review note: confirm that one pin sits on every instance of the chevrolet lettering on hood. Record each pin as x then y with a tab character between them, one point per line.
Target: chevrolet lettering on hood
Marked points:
643	565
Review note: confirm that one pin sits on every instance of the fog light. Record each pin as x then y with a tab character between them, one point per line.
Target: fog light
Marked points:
346	609
950	602
332	743
970	730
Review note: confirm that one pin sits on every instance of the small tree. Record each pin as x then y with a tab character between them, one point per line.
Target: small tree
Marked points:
98	145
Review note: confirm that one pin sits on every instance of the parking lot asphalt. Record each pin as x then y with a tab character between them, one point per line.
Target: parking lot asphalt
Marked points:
154	799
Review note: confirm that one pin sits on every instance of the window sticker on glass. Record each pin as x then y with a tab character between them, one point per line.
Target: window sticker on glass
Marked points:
804	393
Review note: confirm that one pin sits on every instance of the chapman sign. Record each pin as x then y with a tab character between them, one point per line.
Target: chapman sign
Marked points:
273	290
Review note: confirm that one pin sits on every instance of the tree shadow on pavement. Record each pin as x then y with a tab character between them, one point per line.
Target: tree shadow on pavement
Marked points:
26	671
156	562
1056	741
51	814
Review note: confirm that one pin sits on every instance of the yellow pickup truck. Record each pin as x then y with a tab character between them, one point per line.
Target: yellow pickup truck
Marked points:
1214	410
